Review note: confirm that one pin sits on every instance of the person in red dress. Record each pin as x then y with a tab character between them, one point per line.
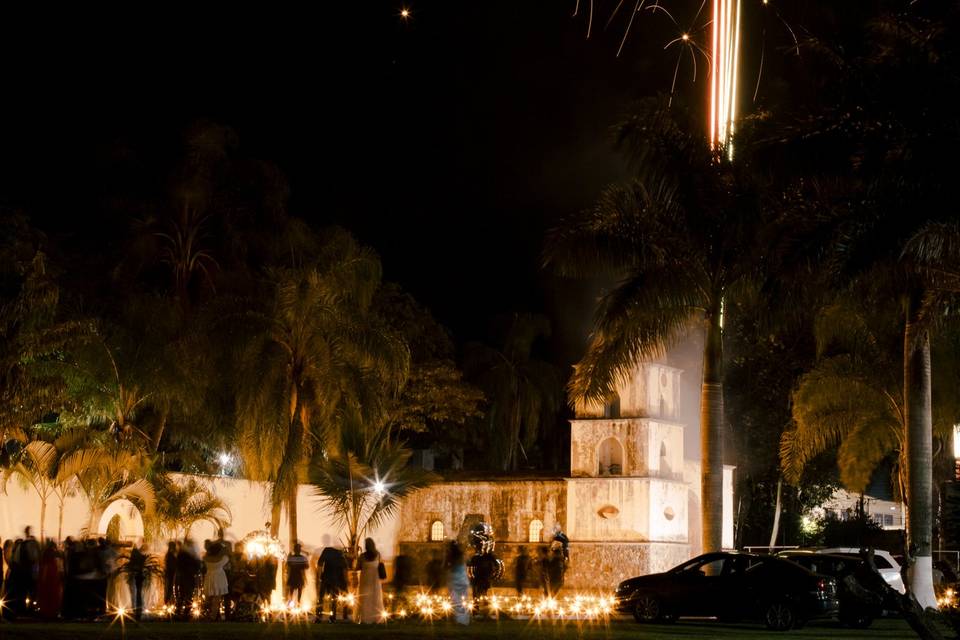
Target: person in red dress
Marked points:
50	582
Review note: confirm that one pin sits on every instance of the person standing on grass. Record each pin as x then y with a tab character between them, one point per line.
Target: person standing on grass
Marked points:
136	571
50	582
297	564
332	580
215	579
458	584
520	570
188	566
371	594
170	573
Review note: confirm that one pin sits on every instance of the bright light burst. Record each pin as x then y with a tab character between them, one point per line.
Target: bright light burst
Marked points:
725	54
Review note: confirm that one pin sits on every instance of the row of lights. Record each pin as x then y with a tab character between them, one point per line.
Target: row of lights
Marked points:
432	607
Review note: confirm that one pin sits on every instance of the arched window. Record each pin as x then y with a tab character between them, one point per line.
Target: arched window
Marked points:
536	531
611	458
436	531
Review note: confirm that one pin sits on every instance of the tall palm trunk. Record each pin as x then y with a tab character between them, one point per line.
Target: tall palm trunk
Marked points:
711	434
292	515
289	467
275	519
776	514
919	454
60	521
43	516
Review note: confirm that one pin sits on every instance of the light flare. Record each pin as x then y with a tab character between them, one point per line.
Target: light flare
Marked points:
725	59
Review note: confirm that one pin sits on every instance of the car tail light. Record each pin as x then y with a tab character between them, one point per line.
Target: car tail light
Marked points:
826	587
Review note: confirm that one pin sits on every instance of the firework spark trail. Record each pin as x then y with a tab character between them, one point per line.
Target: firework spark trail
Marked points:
725	49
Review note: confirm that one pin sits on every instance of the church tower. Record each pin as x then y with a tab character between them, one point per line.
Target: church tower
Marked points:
626	484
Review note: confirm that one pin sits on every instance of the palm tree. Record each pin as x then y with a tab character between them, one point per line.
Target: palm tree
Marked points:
853	398
181	504
105	472
882	129
524	393
35	465
679	239
364	482
317	349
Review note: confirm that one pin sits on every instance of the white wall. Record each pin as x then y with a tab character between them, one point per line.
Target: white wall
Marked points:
246	500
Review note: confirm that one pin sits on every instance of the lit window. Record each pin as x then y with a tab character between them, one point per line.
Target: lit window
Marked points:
536	531
436	531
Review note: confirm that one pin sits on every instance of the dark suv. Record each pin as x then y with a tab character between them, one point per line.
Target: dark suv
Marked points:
731	586
858	608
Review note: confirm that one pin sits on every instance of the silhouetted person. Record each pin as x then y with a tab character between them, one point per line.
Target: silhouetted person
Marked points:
434	571
50	582
521	570
169	573
136	573
402	578
188	567
297	564
543	568
266	577
332	580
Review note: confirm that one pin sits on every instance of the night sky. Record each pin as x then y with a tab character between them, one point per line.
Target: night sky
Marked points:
449	142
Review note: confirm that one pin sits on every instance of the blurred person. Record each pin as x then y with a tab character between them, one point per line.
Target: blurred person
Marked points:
266	577
188	567
215	584
435	571
543	567
556	569
136	571
520	571
50	582
402	578
332	580
170	573
457	583
370	609
297	564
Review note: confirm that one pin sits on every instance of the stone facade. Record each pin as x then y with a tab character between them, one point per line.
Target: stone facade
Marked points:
630	506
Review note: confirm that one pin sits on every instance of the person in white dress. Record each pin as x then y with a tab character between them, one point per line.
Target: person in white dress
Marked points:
215	584
371	594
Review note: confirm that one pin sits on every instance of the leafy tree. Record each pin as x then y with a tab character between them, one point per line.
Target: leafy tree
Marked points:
435	400
33	331
681	241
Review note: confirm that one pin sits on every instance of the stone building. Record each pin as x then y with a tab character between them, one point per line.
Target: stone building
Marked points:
630	504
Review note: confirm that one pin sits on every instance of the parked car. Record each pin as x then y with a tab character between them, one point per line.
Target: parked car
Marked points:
889	568
857	607
731	586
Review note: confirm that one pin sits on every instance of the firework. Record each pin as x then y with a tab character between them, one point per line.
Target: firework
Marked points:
725	54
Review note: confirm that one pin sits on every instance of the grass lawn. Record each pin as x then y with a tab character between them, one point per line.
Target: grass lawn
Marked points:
616	630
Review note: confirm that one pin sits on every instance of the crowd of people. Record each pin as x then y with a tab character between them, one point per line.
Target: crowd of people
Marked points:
91	578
